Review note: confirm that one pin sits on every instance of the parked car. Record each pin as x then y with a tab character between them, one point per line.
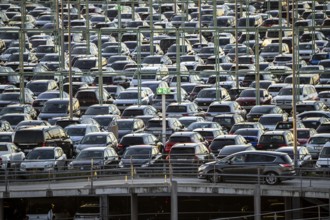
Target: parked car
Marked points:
231	149
38	136
247	98
78	131
316	142
44	159
304	158
140	156
97	139
98	157
270	167
272	140
10	156
189	154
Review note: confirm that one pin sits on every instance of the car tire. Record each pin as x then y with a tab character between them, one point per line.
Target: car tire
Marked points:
214	176
271	178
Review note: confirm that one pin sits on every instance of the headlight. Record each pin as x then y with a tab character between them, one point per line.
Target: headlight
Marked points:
23	166
145	165
49	165
202	167
70	166
121	164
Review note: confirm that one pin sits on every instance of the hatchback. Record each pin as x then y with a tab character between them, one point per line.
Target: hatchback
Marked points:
184	137
138	139
271	167
140	156
44	159
191	154
97	139
97	157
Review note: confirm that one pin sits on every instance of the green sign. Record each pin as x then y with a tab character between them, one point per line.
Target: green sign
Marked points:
163	91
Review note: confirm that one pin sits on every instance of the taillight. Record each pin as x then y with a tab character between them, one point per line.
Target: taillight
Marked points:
282	145
185	114
43	144
168	146
120	146
167	157
287	165
260	146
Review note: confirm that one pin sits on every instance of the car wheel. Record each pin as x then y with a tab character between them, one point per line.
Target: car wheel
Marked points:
271	178
214	176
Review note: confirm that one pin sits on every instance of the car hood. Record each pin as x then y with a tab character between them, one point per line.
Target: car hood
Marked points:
83	146
36	163
135	162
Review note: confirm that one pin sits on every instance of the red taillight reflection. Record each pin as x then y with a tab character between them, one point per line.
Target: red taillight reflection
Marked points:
287	165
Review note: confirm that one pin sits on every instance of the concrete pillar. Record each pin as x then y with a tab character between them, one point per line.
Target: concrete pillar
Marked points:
1	210
134	206
288	206
296	204
257	202
174	200
104	207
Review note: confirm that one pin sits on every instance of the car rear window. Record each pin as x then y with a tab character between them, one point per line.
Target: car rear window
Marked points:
180	139
272	139
28	136
176	109
182	150
219	108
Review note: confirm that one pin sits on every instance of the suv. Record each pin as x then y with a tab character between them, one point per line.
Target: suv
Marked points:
31	137
316	143
274	167
271	140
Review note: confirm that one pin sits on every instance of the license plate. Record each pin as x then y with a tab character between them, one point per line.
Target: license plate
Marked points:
318	147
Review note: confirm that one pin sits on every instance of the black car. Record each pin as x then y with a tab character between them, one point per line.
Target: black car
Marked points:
271	167
140	156
138	139
31	137
259	110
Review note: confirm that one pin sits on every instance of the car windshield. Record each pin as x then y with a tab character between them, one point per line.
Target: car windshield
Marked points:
130	95
270	120
288	91
261	109
55	108
219	108
244	132
319	140
250	93
137	153
125	125
89	154
75	131
41	154
97	111
94	139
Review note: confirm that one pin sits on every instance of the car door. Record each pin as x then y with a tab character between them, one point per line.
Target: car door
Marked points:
236	168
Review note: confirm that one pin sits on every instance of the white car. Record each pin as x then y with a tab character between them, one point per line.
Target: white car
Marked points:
10	155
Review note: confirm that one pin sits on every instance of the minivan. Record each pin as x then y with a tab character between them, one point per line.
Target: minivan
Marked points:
270	167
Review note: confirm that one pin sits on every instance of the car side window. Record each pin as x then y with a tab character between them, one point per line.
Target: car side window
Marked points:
254	158
241	158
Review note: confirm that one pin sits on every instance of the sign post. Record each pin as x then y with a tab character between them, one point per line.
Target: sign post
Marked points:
163	92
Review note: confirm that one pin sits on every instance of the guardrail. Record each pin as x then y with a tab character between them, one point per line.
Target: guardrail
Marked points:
160	169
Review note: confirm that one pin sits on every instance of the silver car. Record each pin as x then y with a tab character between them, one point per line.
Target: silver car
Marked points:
44	159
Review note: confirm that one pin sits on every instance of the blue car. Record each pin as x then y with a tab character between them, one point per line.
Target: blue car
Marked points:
252	135
316	58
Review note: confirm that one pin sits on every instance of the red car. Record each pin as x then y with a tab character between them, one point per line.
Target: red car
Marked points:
247	98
